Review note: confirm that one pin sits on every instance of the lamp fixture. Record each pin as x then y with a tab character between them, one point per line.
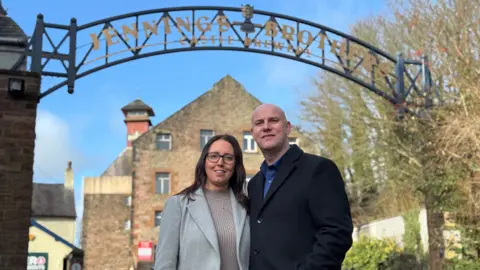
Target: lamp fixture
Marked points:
16	87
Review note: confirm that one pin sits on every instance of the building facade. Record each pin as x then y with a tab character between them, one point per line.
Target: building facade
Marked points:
53	224
158	162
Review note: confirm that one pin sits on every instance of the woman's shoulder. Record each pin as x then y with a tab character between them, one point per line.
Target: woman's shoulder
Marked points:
178	199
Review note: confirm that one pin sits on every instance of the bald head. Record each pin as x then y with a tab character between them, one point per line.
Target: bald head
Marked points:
270	129
269	108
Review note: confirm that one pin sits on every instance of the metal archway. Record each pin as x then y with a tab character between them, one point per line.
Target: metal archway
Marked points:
226	29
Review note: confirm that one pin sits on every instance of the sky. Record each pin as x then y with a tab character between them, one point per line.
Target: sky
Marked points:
87	127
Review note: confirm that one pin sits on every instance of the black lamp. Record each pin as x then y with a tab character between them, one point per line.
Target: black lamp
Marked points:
16	87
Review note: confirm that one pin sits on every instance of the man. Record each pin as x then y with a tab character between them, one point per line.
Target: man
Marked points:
299	211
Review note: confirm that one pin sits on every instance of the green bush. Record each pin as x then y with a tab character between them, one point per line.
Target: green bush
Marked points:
370	253
457	264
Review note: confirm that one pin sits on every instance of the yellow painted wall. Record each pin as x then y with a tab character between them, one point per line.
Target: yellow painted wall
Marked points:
45	243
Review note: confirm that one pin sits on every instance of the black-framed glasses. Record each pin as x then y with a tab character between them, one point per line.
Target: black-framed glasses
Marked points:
227	158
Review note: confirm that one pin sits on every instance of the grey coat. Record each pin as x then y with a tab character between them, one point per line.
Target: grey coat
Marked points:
188	239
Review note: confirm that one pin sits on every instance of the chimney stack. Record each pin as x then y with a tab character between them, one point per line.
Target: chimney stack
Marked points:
137	118
69	176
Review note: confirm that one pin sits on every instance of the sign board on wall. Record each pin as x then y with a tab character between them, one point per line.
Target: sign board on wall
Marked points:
37	261
145	251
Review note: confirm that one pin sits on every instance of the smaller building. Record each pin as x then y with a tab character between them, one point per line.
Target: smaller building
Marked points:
53	224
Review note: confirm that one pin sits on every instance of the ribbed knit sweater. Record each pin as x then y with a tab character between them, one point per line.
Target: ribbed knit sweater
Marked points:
221	210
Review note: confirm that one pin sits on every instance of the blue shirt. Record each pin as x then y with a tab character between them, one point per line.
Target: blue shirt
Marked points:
269	173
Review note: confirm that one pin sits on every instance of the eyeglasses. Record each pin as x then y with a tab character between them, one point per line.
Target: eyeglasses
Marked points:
227	158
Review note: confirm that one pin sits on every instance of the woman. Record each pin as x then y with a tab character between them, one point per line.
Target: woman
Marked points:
206	225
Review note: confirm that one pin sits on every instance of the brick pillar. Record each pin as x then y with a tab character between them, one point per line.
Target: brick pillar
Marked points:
17	141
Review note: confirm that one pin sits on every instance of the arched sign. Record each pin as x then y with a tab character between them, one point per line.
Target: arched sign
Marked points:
101	44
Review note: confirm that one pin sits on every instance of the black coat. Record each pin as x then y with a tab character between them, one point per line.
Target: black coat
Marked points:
304	222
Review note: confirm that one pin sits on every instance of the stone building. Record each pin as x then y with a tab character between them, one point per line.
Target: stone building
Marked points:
123	206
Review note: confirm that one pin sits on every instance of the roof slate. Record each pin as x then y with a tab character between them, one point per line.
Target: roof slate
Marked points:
53	200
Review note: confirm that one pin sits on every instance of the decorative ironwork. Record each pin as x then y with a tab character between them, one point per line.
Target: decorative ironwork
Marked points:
247	26
132	36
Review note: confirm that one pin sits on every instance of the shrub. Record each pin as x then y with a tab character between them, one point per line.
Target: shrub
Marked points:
370	253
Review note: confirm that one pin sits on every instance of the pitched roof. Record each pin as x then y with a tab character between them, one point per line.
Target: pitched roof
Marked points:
2	10
8	27
53	200
138	105
227	82
122	166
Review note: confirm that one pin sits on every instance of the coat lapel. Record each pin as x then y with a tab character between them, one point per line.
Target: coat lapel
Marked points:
257	191
200	212
239	215
287	166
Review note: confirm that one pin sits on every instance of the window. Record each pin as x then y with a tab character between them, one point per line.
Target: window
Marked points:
205	135
249	144
164	141
162	183
158	218
293	141
137	113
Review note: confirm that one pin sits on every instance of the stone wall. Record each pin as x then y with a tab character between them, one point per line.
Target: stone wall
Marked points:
106	232
17	144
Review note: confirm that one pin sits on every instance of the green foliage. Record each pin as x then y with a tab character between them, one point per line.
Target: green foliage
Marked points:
368	253
458	264
412	239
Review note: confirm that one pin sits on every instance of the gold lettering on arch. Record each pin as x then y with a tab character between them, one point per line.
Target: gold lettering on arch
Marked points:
279	37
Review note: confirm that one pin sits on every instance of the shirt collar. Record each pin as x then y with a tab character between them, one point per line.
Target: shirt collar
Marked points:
264	167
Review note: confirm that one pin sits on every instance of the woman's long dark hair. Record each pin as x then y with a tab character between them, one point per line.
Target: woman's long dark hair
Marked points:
236	182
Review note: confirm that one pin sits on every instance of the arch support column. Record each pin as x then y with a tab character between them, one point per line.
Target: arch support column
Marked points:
18	110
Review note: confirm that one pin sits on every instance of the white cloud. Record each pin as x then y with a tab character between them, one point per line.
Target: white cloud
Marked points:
53	148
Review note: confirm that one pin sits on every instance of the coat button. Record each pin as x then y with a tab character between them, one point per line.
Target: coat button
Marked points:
260	220
256	251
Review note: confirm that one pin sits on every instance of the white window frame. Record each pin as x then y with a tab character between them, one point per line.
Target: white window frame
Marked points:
160	180
164	137
248	136
137	113
204	138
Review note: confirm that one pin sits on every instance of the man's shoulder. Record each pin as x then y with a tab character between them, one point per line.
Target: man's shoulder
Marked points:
254	177
316	160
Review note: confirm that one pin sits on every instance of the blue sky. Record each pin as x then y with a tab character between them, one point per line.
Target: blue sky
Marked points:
87	127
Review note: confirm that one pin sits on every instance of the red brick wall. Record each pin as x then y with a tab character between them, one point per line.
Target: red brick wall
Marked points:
133	127
17	143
